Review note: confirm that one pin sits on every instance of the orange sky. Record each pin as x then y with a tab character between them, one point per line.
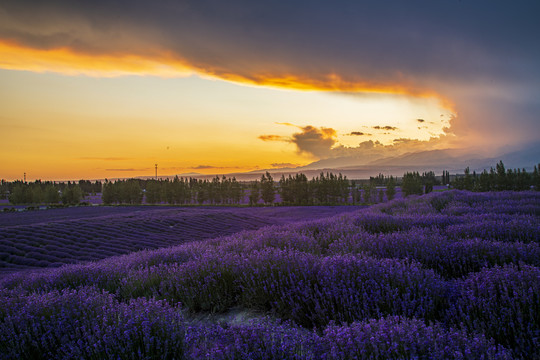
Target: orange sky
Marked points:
69	115
107	89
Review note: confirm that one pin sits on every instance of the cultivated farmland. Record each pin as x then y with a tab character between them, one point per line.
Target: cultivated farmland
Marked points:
442	276
62	236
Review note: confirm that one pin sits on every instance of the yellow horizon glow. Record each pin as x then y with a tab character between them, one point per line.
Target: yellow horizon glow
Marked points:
107	123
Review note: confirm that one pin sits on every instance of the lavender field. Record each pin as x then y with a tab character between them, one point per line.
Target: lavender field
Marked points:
450	275
55	237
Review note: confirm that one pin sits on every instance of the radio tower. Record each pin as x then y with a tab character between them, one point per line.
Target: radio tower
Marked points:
25	177
156	171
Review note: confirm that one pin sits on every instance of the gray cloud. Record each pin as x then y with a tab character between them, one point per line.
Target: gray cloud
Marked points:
481	56
315	141
310	140
387	127
358	133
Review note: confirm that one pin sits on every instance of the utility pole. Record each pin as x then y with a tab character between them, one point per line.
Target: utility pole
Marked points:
25	177
156	171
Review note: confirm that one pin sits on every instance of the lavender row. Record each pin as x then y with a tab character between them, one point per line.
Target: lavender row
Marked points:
91	237
310	290
92	325
385	338
501	303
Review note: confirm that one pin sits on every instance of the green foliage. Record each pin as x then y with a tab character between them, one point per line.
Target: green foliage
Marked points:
124	191
254	193
71	195
390	188
34	193
267	188
498	179
412	184
51	196
154	192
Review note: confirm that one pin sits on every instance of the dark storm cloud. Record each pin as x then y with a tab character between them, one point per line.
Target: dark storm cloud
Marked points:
382	40
475	53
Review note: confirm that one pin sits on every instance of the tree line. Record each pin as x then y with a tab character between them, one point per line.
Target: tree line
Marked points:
178	191
297	189
323	189
498	179
47	192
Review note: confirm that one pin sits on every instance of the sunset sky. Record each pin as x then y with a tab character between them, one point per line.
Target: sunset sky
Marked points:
106	89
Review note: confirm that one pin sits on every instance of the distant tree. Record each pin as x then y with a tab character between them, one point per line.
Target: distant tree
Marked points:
37	194
484	182
428	180
153	191
355	193
267	188
20	194
285	190
501	177
237	192
535	177
367	192
254	193
51	195
202	191
412	184
390	188
71	195
109	193
4	188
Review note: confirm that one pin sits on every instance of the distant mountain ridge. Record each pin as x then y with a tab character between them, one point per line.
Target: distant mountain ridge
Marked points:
357	167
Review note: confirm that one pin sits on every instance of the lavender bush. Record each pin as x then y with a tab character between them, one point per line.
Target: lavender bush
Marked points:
88	324
503	303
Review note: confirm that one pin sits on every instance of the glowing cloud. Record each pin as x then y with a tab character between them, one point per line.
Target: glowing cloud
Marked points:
67	61
273	138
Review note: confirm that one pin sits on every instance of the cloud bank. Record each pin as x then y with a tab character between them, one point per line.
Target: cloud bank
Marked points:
480	58
321	143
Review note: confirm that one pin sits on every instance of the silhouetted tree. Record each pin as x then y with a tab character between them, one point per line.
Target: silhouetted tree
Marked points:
71	195
51	195
267	188
412	184
254	191
390	188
